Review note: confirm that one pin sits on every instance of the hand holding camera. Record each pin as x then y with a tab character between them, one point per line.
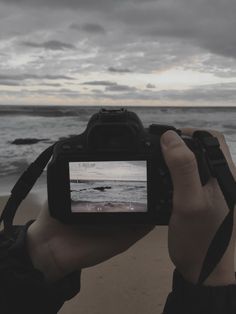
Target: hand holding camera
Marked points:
58	249
197	212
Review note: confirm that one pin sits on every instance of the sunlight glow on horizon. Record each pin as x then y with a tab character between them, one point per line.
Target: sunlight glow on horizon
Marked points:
78	93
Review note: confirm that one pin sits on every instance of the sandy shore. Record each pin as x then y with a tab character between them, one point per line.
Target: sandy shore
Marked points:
135	282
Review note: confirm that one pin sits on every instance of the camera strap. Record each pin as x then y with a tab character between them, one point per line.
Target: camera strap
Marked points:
218	167
23	186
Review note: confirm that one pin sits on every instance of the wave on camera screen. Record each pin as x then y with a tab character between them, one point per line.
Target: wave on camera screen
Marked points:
108	186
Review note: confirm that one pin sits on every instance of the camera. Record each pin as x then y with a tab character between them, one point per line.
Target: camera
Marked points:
114	172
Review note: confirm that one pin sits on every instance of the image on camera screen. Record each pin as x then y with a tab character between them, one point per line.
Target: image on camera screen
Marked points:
108	186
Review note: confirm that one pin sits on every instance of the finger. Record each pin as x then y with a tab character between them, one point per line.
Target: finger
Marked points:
219	135
182	165
223	145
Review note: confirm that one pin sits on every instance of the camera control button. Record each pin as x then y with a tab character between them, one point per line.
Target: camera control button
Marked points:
66	147
79	146
162	172
148	144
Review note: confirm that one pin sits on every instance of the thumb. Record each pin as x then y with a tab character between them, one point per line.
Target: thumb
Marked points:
183	168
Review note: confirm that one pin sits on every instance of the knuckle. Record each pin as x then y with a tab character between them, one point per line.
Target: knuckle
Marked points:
218	134
194	206
184	161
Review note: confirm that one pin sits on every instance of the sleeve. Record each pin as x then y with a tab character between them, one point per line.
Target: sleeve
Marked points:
187	298
23	288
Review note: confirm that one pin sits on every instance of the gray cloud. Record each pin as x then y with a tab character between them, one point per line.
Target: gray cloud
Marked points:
201	94
9	83
141	38
50	84
97	91
120	88
119	70
90	28
150	85
53	92
100	83
26	76
206	24
211	94
50	45
69	4
111	86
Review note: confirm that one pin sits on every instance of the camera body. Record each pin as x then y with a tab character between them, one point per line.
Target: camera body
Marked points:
114	173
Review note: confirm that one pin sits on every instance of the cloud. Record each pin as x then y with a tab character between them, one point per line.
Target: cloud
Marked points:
207	24
26	76
207	93
49	45
150	85
100	83
119	70
50	84
120	88
99	5
90	28
60	92
8	83
111	86
201	94
133	40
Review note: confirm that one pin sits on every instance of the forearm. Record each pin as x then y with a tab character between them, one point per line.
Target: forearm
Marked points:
41	255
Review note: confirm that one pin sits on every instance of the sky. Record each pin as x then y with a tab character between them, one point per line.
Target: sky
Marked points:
118	52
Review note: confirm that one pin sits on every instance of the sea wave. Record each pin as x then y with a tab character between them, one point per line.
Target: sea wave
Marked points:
55	122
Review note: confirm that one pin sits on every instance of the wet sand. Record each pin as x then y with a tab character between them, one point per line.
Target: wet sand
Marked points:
135	282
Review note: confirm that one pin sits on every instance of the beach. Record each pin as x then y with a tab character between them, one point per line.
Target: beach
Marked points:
137	281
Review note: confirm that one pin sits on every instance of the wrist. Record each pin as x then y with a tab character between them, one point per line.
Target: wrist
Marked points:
41	255
220	280
219	277
187	297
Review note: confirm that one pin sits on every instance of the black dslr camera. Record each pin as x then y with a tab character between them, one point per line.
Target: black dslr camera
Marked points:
114	172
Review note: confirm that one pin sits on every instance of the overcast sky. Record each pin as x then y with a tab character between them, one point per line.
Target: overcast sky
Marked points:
118	52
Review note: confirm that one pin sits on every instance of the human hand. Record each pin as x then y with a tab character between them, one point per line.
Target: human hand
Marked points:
197	213
57	249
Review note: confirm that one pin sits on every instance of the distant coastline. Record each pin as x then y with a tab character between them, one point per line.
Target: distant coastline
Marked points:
72	110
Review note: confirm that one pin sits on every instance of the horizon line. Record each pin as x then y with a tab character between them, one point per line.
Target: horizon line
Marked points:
120	106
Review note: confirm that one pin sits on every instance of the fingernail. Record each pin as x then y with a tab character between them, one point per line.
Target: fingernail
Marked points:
170	138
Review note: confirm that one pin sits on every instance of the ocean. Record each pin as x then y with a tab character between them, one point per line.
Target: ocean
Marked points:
47	124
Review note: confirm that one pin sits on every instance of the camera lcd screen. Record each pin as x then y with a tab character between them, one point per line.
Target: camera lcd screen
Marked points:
108	186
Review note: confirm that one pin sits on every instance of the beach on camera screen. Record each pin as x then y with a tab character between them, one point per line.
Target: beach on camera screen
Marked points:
108	186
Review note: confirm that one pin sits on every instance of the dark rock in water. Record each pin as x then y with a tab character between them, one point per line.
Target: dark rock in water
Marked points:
102	188
27	141
229	126
67	137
